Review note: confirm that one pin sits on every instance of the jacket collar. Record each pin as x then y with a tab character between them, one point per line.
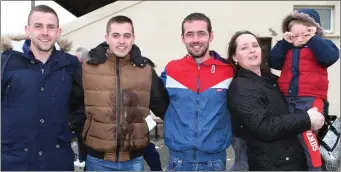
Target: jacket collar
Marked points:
241	72
27	51
112	57
215	59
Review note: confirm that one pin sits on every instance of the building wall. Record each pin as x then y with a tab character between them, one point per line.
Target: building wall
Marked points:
158	27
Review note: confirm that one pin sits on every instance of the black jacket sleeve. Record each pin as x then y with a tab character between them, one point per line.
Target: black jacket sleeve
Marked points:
77	108
247	104
159	99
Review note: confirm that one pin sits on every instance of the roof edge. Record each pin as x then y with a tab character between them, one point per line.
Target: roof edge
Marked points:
96	15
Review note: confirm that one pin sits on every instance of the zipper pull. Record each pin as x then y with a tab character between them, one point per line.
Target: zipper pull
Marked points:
213	69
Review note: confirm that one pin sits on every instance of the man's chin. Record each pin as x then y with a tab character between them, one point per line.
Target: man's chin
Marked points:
121	55
45	49
197	55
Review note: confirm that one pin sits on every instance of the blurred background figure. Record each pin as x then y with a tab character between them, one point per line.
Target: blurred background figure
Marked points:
82	54
78	119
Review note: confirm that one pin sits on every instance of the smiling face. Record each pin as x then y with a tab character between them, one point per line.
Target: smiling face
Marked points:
43	30
197	38
120	38
248	52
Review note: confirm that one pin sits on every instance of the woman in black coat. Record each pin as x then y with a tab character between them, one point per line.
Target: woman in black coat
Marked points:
260	114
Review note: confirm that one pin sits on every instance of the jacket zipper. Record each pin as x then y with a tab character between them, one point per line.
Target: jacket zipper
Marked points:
197	112
118	140
87	130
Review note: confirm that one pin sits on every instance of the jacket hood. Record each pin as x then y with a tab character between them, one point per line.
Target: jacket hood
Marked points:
16	42
305	15
98	56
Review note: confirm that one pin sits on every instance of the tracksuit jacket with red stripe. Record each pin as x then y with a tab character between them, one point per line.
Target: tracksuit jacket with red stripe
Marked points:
197	123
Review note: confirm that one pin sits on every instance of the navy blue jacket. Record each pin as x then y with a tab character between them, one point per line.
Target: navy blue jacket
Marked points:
35	133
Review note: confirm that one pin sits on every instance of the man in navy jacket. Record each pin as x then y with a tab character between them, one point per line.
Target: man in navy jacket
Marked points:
37	81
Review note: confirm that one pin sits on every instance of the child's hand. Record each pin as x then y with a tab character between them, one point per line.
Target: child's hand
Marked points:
288	37
311	31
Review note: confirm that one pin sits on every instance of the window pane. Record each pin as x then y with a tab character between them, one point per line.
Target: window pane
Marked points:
325	17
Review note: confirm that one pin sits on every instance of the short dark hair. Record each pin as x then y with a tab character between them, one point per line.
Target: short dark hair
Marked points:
231	50
120	19
197	16
44	9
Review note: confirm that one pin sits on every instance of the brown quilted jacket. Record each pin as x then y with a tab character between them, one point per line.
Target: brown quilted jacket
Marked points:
117	100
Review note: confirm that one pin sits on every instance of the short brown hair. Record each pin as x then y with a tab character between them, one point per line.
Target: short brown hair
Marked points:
120	19
196	17
44	9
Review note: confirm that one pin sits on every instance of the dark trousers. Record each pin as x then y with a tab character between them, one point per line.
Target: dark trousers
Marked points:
152	157
308	138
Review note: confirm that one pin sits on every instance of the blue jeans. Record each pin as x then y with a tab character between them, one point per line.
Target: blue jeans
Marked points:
95	164
177	164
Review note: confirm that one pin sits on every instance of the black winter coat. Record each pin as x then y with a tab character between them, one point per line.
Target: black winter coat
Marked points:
260	115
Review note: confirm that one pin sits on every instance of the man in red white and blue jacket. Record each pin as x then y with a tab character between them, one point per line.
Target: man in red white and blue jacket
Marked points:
197	126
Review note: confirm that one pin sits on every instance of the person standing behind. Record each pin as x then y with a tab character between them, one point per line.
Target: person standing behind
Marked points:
197	126
37	81
78	117
82	54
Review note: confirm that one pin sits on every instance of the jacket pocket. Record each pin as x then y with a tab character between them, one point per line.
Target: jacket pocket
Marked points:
174	164
64	141
11	92
63	153
217	165
87	126
19	151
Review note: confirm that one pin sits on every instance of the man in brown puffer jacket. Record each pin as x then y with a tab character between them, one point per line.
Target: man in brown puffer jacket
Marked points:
120	89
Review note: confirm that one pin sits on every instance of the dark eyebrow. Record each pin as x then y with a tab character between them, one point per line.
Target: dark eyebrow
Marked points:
115	33
51	25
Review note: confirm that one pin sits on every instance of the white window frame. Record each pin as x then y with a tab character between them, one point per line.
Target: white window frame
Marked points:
332	17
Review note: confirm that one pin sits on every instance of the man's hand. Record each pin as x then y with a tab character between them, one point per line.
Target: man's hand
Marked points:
316	119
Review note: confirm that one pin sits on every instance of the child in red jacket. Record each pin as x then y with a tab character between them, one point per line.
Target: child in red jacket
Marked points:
303	57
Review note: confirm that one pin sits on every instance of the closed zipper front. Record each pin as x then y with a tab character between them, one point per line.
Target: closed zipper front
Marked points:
118	133
196	112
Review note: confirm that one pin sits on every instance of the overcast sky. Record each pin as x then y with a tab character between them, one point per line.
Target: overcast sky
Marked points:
14	15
